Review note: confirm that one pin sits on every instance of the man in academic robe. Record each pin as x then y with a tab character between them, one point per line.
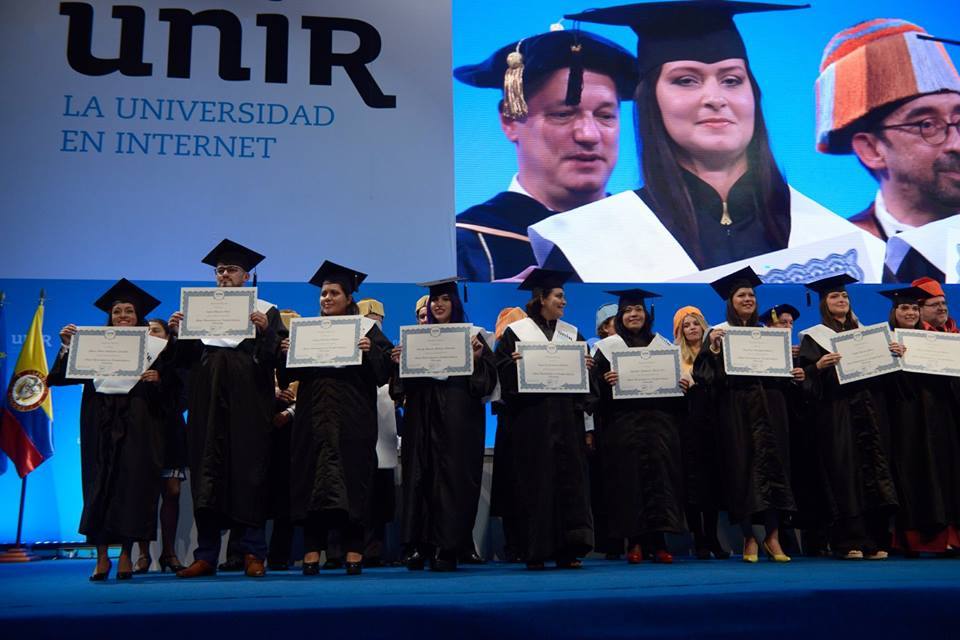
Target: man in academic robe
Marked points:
230	409
561	110
934	313
903	132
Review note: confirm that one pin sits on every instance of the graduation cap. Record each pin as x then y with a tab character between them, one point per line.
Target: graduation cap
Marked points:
344	276
745	278
545	279
229	252
701	30
126	291
605	312
906	295
831	284
627	296
444	286
773	313
531	58
929	285
369	305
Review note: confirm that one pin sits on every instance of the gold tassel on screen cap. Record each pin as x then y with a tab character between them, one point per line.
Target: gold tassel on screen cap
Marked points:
514	106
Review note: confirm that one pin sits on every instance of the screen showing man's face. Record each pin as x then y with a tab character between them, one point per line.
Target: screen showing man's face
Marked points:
566	153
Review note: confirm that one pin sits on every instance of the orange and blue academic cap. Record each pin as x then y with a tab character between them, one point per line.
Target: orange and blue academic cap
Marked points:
346	277
545	279
773	313
931	286
516	66
701	30
745	278
125	291
831	284
906	295
229	252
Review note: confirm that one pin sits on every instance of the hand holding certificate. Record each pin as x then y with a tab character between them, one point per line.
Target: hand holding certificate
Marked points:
217	312
646	373
101	352
930	351
436	350
757	351
864	353
331	341
552	367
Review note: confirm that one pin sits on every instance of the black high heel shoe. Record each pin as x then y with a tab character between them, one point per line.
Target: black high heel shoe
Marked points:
311	568
100	576
143	564
170	562
354	568
717	550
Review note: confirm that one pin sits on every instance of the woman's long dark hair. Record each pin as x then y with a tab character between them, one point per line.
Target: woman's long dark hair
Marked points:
640	338
733	319
457	312
850	321
663	175
162	323
535	304
892	320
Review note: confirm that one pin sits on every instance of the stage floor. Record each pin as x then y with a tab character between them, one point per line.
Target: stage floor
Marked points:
712	599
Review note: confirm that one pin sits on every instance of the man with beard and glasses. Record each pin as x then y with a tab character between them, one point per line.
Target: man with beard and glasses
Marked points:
889	93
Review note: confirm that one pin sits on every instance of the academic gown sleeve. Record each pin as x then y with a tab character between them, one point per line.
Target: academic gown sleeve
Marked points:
506	366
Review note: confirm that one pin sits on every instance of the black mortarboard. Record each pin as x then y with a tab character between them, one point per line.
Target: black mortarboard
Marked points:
445	285
545	279
126	291
728	284
773	313
545	53
229	252
701	30
905	295
344	276
633	295
830	284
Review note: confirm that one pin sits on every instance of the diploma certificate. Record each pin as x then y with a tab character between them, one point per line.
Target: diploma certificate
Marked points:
217	312
436	350
646	373
865	353
930	351
102	352
757	351
325	341
552	367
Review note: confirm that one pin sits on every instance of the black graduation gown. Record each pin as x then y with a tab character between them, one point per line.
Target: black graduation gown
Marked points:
230	403
850	437
506	211
642	460
175	427
551	490
443	446
925	452
699	437
754	437
121	456
333	443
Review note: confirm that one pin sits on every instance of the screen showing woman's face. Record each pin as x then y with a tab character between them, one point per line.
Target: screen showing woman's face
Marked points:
708	109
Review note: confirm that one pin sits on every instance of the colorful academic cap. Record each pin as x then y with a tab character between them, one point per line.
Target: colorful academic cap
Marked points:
344	276
728	284
369	305
230	252
870	65
605	312
701	30
773	313
545	279
518	64
125	291
931	286
831	284
906	295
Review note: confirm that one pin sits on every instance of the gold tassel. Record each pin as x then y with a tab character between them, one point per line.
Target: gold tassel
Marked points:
514	106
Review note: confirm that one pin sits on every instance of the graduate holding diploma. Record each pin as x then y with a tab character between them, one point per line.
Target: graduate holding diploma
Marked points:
640	442
753	426
443	443
334	438
551	495
121	437
851	430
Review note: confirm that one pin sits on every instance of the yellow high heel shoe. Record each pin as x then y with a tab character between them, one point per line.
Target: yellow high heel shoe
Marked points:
752	558
776	557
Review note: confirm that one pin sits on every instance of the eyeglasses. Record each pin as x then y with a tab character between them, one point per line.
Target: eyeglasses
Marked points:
936	305
934	131
227	269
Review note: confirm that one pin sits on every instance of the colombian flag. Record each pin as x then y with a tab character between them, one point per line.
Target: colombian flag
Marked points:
27	412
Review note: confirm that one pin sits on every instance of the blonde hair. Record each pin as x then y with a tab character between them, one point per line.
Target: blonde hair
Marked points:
687	354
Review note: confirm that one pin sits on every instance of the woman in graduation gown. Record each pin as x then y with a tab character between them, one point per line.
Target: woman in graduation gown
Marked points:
640	442
443	444
121	437
551	490
851	433
703	492
753	426
925	447
334	438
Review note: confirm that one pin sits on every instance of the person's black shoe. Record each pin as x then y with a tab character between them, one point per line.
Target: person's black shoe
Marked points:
414	561
232	564
333	563
472	558
354	568
311	568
